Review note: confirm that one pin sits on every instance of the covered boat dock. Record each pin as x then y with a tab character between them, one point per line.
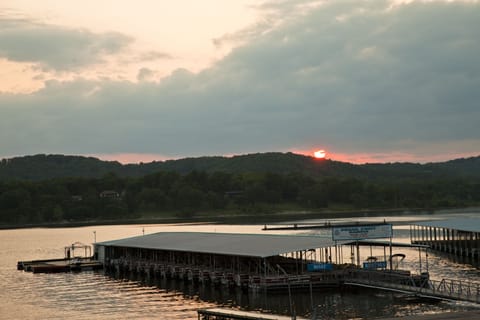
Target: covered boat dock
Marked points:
277	262
244	260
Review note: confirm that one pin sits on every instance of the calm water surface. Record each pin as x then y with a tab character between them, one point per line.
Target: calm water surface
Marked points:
93	295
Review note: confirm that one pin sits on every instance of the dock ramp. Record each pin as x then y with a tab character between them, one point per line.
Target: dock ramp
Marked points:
445	289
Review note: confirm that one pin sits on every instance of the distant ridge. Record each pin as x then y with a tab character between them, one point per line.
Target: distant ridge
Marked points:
41	167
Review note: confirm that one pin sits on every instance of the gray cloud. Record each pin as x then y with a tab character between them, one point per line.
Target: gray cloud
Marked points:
55	47
371	80
154	55
145	74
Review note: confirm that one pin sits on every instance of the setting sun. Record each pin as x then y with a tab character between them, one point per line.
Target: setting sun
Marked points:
320	154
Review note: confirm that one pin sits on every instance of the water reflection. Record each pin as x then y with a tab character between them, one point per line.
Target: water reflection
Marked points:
354	303
94	295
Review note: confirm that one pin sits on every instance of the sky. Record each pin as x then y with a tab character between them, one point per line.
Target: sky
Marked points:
366	81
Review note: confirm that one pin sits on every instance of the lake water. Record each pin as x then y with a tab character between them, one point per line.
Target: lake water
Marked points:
93	295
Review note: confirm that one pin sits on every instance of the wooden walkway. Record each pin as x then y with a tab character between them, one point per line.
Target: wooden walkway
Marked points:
229	314
59	265
467	315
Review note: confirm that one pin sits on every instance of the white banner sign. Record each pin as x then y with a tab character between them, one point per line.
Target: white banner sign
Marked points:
362	232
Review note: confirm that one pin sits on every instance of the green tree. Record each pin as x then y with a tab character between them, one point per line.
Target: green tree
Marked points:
188	200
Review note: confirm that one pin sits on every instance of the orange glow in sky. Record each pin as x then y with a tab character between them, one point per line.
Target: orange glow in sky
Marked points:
320	154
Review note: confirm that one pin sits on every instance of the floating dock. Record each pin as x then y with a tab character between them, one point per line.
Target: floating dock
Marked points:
59	265
229	314
70	262
250	261
261	262
467	315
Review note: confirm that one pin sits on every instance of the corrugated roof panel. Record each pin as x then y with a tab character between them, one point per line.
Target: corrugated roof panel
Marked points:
252	245
462	224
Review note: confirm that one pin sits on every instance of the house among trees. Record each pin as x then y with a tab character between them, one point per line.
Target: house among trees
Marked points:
77	198
109	194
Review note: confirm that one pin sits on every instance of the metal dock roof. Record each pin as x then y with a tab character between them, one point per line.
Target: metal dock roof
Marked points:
235	244
462	224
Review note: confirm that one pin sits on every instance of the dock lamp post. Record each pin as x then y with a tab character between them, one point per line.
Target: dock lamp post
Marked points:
289	293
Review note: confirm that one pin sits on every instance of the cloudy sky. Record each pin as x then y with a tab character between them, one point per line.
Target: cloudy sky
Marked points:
367	81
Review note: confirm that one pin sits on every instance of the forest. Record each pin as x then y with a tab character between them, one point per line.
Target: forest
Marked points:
196	193
44	167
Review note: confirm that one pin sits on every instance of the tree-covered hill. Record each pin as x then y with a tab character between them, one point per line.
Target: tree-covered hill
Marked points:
57	189
41	167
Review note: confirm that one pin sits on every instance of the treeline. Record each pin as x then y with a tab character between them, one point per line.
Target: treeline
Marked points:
168	194
42	167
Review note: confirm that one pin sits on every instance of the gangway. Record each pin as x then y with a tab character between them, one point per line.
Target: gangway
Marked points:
422	286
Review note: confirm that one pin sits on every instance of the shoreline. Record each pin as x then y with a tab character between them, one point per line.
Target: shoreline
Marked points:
286	216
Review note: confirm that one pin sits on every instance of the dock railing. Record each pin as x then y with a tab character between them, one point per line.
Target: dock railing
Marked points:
422	286
456	289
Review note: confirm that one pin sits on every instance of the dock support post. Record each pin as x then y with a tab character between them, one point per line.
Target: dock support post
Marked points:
420	260
289	290
358	254
391	264
426	259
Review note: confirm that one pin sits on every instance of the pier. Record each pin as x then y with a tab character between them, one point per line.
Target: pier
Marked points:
59	265
277	262
71	261
459	237
466	315
250	261
229	314
419	287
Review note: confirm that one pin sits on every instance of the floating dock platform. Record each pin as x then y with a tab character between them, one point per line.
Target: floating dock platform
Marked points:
250	261
263	262
59	265
467	315
269	263
229	314
70	262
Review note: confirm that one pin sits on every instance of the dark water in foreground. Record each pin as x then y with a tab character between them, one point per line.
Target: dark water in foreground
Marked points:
93	295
